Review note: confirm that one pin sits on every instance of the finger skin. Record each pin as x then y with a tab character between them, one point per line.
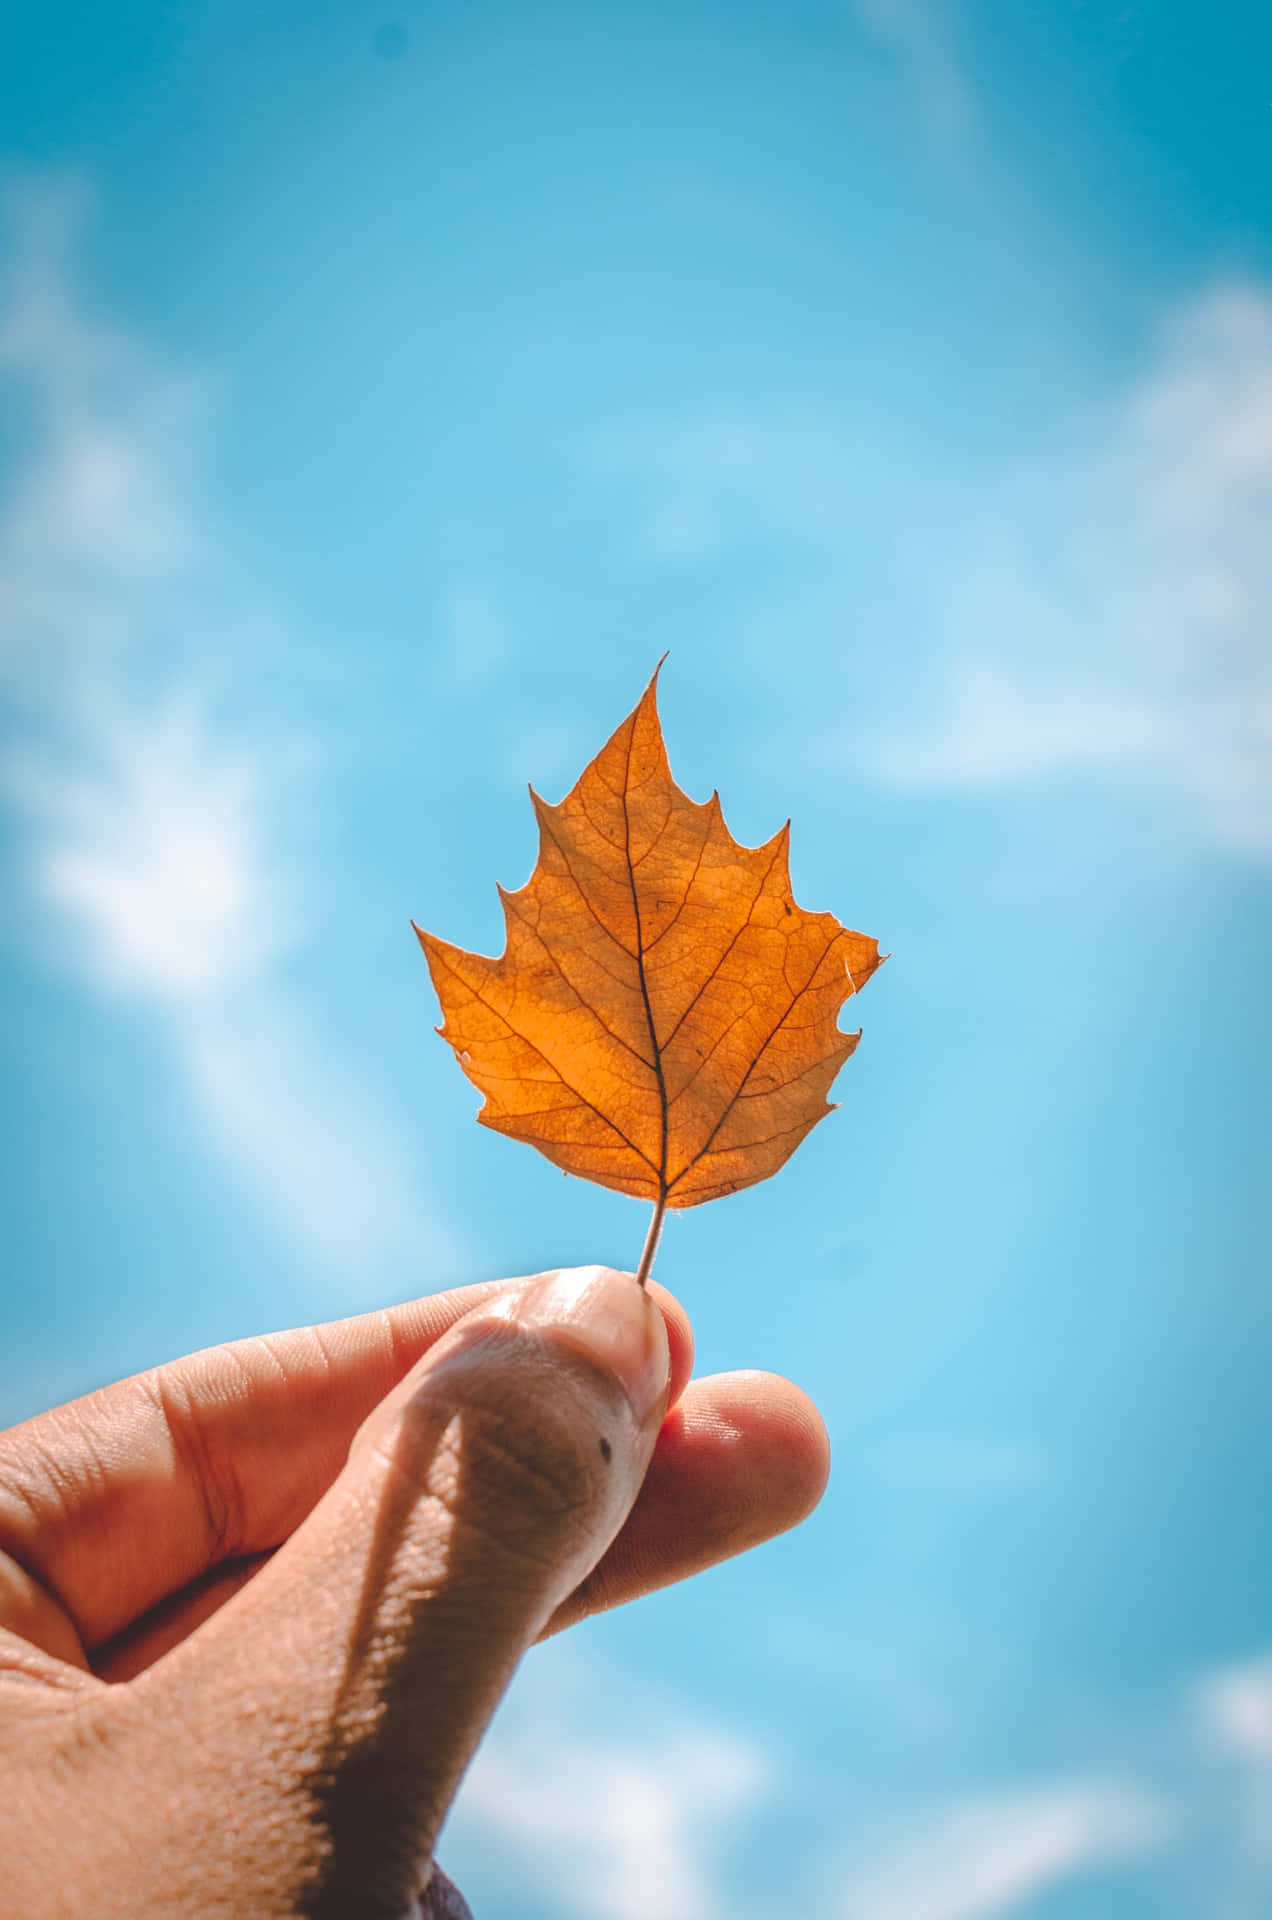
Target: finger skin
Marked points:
740	1458
337	1698
295	1754
117	1501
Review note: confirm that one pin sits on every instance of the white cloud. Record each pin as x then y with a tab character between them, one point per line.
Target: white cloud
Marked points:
983	1857
608	1825
318	1152
1115	621
616	1831
1236	1704
146	835
153	803
998	731
591	1798
104	494
1235	1710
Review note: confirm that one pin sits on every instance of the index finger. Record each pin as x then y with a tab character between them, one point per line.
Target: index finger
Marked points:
118	1500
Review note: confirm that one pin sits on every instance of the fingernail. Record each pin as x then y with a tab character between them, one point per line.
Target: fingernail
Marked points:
609	1318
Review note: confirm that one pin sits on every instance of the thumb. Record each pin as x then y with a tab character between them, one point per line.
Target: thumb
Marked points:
337	1699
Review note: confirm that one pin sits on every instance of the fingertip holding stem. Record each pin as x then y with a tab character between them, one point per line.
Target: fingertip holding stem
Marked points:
598	1312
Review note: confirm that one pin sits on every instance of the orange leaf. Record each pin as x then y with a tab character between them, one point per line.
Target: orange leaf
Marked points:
664	1018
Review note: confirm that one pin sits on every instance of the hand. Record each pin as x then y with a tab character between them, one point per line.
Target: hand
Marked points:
257	1606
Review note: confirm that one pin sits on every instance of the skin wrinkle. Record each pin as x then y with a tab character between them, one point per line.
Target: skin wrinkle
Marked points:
222	1499
522	1482
25	1659
20	1544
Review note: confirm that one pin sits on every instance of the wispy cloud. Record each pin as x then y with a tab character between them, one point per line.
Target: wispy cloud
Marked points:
147	831
985	1856
313	1145
918	34
719	481
101	514
597	1801
1188	1810
1236	1703
153	803
610	1806
1235	1710
1115	620
1099	612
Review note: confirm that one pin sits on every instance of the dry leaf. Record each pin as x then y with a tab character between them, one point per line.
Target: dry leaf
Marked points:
664	1018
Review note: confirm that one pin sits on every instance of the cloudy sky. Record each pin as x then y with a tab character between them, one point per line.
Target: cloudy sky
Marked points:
382	390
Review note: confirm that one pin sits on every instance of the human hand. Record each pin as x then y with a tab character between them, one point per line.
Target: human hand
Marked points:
257	1606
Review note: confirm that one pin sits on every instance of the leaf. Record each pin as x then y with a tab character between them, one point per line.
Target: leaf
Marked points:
664	1018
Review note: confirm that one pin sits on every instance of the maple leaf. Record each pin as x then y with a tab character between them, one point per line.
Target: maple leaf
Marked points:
663	1019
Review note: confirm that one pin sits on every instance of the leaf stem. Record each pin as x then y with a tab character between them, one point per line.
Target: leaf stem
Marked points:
651	1241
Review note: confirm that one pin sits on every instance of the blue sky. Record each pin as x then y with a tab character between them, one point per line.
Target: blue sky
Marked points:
382	390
